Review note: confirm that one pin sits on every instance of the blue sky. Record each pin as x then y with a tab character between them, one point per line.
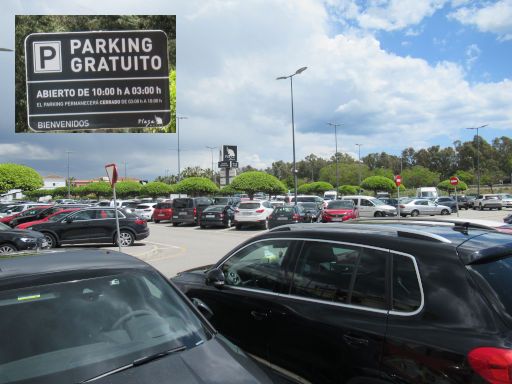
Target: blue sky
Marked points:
394	73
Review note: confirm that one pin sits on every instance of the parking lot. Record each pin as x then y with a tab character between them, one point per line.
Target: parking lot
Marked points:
174	249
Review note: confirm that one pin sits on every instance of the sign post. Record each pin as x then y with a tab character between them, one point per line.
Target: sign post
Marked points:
112	177
454	180
97	79
398	181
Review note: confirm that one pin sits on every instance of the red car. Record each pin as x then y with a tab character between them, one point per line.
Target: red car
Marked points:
53	217
339	210
163	211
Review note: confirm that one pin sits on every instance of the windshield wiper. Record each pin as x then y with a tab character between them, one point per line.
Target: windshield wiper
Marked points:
137	362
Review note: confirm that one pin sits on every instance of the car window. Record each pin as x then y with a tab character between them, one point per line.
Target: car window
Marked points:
366	203
342	274
182	203
258	265
406	287
376	202
106	214
84	215
249	205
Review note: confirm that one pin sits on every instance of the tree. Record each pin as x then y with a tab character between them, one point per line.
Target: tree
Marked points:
317	187
15	176
446	186
227	190
99	189
378	183
155	189
37	193
196	186
348	190
126	189
196	172
252	182
419	176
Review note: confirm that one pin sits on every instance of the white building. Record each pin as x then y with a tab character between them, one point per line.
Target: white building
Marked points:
53	181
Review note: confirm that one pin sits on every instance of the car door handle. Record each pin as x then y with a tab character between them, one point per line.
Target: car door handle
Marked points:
355	340
259	315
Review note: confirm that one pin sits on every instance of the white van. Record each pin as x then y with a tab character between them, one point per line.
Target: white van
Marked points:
427	193
369	206
330	195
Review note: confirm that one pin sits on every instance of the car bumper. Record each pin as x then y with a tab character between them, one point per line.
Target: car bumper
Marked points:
250	218
142	235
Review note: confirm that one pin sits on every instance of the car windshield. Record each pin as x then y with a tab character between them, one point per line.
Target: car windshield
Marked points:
86	327
221	200
183	203
309	205
4	227
305	199
340	204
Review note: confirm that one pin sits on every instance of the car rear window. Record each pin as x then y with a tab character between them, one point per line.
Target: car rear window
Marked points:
163	206
497	275
249	205
215	208
221	200
283	210
340	204
183	203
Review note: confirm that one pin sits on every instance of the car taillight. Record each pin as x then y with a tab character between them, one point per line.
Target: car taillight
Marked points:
493	364
195	211
260	210
296	216
402	206
140	221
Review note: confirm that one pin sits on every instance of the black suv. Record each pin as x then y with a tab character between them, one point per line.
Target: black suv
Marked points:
94	225
375	302
188	209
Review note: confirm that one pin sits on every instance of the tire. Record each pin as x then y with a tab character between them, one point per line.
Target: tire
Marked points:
7	248
500	208
402	215
444	212
175	224
377	214
202	226
238	226
126	238
51	240
264	225
229	224
415	213
156	221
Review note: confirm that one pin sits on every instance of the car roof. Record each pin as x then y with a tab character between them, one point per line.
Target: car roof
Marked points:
21	264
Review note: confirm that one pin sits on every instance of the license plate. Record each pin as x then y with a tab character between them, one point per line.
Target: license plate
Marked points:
336	219
161	214
246	213
182	213
210	216
175	217
282	218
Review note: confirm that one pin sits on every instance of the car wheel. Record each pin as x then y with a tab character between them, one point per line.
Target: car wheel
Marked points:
378	214
156	221
7	248
50	239
229	224
499	208
126	238
264	225
175	224
202	226
415	213
445	212
238	226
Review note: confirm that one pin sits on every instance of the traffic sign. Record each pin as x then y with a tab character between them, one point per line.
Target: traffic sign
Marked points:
97	79
454	180
111	173
398	180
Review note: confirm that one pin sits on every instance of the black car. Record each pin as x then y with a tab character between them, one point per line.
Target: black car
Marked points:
217	216
289	214
508	219
94	225
76	316
401	303
447	201
12	240
462	202
313	209
187	210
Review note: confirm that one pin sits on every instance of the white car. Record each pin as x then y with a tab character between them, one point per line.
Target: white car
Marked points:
415	207
145	211
506	200
253	212
17	208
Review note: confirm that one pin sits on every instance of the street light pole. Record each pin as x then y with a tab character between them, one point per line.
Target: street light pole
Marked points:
211	151
359	162
298	71
178	118
69	181
336	125
477	157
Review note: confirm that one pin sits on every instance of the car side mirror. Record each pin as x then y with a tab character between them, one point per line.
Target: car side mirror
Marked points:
215	277
202	307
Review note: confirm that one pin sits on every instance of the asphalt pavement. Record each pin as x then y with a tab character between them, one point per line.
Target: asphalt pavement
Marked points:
174	249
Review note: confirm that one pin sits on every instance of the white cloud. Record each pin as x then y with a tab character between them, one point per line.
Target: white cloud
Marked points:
472	55
493	17
24	151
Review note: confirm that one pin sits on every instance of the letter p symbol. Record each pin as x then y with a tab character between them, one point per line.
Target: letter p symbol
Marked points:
47	56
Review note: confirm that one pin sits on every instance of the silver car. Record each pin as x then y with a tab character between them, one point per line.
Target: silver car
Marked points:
415	207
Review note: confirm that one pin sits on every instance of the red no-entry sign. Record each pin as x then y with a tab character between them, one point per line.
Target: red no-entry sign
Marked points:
398	180
454	180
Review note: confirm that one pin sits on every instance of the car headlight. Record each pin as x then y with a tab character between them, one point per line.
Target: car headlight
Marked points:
28	239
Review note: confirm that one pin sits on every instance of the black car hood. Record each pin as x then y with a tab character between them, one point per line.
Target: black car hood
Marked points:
217	361
21	232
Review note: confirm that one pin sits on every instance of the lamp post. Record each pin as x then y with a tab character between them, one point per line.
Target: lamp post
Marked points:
178	118
69	181
477	157
124	163
211	151
336	125
298	71
359	162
